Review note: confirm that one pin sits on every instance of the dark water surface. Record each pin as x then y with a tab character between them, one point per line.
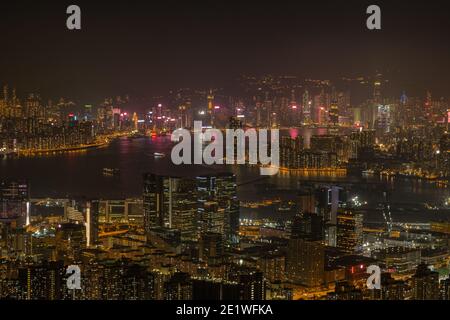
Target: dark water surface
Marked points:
81	174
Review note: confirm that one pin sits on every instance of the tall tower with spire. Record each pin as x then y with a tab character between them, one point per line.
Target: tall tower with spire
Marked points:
306	107
377	97
210	98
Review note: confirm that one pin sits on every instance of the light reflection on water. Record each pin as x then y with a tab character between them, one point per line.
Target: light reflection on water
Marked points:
80	174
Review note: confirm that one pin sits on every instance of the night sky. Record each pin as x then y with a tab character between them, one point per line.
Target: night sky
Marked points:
146	47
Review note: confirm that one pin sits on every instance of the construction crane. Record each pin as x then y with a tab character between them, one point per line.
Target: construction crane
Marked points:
386	210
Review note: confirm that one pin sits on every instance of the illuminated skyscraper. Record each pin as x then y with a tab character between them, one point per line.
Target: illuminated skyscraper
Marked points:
135	120
253	286
384	118
86	213
305	262
425	283
320	108
377	99
170	202
267	111
210	99
153	202
220	188
306	107
70	239
193	205
428	105
328	200
211	247
290	149
91	222
308	226
334	108
33	106
182	206
14	201
211	218
182	116
294	112
392	289
334	112
88	116
343	101
258	109
349	230
42	282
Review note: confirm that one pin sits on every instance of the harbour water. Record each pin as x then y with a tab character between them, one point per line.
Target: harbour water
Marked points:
81	174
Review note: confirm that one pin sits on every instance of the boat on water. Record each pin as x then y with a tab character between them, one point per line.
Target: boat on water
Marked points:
158	155
110	172
368	172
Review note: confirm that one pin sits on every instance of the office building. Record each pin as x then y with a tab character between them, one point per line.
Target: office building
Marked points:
349	230
192	205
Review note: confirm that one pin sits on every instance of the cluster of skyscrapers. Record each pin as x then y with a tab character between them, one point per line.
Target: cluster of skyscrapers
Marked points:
185	237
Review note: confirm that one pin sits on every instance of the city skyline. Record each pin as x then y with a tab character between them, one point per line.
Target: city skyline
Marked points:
359	89
328	177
